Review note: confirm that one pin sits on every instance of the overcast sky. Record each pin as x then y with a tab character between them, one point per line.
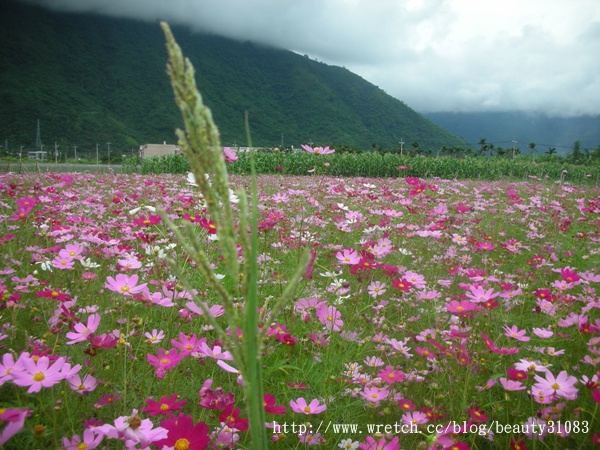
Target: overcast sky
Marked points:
435	55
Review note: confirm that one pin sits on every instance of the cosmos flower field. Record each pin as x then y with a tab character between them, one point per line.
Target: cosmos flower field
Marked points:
453	314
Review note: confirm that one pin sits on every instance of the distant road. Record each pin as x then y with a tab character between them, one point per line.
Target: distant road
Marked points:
11	166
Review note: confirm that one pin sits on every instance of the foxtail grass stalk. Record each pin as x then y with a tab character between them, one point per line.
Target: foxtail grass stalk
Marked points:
200	143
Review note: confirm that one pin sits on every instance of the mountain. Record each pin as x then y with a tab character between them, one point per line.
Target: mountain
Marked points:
92	79
501	128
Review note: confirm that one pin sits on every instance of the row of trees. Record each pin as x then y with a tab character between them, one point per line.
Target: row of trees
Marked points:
489	150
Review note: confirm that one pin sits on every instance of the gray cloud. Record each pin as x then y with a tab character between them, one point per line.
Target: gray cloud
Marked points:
435	55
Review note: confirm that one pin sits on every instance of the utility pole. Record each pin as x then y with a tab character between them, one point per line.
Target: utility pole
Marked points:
401	147
97	159
56	152
38	137
21	153
514	142
108	144
75	148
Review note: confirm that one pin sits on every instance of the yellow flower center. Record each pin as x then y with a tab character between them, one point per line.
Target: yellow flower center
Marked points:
39	376
307	409
182	444
124	288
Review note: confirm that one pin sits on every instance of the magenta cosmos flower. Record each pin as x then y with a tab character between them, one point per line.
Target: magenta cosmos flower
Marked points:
300	406
318	150
165	406
184	434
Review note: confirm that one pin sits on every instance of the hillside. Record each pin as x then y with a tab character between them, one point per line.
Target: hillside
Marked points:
96	79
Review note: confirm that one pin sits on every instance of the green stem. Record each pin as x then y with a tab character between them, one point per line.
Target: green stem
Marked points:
253	385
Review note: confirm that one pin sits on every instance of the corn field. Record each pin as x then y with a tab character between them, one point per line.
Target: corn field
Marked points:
389	165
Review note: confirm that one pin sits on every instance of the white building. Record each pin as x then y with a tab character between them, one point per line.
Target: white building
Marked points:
164	149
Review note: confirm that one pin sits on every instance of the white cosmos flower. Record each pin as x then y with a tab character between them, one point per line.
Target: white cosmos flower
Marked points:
191	180
139	208
88	263
45	265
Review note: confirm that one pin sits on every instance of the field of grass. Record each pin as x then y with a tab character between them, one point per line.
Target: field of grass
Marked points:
459	314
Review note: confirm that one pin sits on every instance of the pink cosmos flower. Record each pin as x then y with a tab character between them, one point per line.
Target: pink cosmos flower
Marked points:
40	373
542	333
400	346
415	279
215	352
318	150
85	386
485	246
380	444
229	155
462	307
124	284
515	333
72	251
563	385
13	420
164	360
188	344
512	385
374	395
390	375
133	430
348	256
494	348
214	310
478	294
63	263
82	332
330	317
155	337
300	406
309	438
414	418
91	439
7	365
424	351
530	365
376	288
